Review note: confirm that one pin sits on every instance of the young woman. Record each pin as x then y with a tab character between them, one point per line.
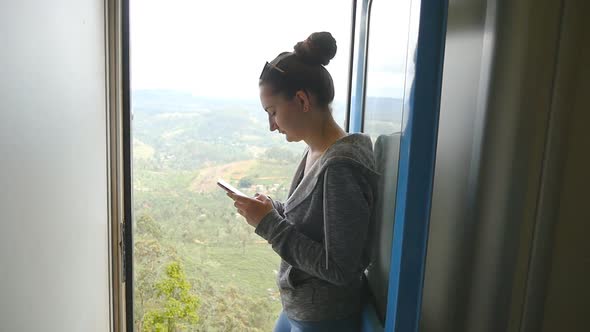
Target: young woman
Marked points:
320	231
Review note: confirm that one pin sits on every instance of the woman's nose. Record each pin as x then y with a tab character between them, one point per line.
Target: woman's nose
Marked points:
272	125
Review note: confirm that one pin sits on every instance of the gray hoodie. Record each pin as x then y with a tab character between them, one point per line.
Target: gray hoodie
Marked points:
320	232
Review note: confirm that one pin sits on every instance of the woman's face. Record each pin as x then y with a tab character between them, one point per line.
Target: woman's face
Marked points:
284	114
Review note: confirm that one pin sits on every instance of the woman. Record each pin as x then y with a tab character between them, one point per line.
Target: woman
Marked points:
320	232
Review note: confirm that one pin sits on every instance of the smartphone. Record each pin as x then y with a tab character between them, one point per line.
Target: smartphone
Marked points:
229	188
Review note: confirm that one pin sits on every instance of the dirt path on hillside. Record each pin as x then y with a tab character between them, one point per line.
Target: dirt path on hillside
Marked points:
233	172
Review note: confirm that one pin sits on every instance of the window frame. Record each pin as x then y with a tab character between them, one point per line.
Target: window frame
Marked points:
416	169
122	246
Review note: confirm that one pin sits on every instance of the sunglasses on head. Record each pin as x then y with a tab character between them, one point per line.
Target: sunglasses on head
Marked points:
269	66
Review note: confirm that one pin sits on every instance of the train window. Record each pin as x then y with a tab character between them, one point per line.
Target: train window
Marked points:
384	99
386	64
197	117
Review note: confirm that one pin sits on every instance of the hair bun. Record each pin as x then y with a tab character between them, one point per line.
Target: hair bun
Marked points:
318	48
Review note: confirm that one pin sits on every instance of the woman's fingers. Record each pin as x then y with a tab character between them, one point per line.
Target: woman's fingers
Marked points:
246	201
240	205
252	209
245	204
261	197
257	198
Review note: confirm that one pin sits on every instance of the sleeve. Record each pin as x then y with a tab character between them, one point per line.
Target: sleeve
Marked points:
279	206
346	208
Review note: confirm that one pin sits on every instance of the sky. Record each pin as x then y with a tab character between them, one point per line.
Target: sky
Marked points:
218	48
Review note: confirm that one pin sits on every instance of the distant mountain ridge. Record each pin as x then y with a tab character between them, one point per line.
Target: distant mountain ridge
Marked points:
176	101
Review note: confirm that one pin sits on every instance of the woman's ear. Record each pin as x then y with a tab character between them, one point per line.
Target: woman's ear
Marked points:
304	100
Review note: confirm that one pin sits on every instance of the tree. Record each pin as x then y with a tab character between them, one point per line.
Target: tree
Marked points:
178	304
146	225
245	182
231	309
149	255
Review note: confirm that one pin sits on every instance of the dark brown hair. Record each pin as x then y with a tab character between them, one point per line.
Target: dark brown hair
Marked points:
303	69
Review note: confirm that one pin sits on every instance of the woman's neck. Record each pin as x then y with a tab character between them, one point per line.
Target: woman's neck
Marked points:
324	134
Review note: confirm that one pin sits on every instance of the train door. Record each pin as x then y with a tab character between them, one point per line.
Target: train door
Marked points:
395	100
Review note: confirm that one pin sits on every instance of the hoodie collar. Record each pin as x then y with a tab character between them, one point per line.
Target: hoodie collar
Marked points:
355	149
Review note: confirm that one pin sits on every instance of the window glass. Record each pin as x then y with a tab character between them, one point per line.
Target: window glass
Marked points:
386	66
197	117
384	100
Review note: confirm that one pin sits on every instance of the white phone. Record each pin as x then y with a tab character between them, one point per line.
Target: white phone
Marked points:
229	188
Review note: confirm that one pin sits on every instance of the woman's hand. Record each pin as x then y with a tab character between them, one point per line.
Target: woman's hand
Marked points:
253	209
